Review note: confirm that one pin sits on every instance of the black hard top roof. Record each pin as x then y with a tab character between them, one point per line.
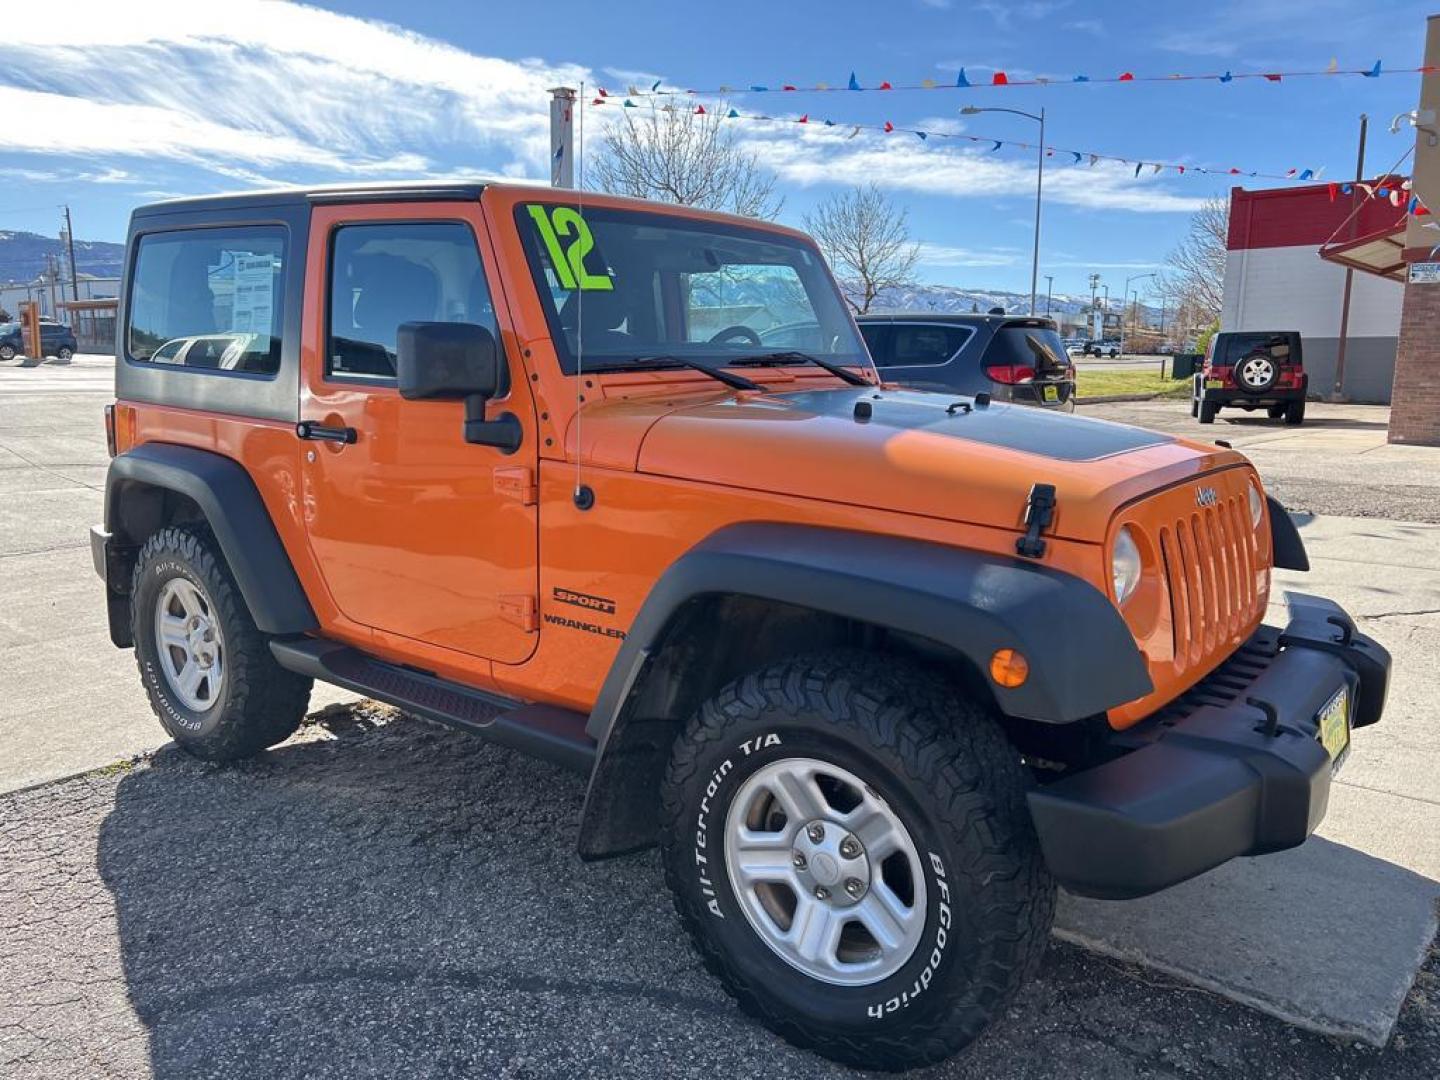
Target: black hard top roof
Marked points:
387	191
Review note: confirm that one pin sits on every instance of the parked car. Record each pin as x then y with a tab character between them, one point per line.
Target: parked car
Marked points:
876	668
1101	348
1252	370
56	339
1011	358
225	352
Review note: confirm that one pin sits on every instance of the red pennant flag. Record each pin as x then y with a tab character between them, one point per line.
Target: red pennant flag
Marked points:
1289	172
889	126
1181	168
804	119
1272	78
1334	190
999	79
699	110
787	86
1234	172
1421	210
598	101
601	91
885	86
1126	76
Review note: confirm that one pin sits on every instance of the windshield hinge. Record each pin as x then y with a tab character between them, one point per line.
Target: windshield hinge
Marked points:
1039	510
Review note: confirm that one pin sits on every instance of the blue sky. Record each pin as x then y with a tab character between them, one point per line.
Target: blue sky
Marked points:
117	105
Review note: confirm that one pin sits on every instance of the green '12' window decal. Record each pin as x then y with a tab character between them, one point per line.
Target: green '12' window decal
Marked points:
569	261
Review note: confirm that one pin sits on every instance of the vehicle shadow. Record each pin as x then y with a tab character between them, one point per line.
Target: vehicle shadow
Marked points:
1332	423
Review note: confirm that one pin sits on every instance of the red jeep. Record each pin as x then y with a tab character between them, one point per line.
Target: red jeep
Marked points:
1251	370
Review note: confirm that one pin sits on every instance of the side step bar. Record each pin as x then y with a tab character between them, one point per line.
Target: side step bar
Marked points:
545	731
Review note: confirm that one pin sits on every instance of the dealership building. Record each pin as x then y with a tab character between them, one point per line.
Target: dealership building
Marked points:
1278	278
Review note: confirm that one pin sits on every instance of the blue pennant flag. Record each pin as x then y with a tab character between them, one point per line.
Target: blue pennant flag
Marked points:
760	89
854	82
1346	189
1082	78
960	79
1227	77
655	86
829	123
732	115
1077	156
1374	72
922	135
997	146
1308	174
1138	166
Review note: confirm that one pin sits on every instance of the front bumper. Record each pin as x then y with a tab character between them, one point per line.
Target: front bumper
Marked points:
1209	777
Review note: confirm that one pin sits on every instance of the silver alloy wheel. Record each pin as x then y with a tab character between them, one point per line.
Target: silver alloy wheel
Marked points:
1257	372
189	644
825	872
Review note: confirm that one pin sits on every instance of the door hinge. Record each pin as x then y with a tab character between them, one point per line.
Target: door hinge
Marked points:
520	609
517	482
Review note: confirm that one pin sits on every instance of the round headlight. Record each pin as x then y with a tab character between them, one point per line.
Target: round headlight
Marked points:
1125	565
1257	505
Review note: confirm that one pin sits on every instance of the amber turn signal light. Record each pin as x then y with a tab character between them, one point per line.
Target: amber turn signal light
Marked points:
1009	668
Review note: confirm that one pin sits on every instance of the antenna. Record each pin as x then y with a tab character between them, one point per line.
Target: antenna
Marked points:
584	498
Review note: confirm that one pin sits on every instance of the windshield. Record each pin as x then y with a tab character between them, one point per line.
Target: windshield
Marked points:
633	286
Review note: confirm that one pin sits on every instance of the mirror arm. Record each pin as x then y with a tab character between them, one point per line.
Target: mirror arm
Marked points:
504	432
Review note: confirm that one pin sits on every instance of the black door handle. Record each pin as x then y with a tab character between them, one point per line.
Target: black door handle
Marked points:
309	429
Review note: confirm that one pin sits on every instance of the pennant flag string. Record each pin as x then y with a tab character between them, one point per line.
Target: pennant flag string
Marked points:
1295	175
1001	78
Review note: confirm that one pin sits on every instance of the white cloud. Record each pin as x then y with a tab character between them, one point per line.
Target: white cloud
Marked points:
267	90
944	255
903	163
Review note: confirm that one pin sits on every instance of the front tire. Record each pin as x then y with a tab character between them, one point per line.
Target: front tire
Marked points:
848	844
205	665
7	352
65	352
1295	413
1208	411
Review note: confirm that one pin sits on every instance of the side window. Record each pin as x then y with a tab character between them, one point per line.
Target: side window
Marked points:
916	344
225	286
386	274
877	340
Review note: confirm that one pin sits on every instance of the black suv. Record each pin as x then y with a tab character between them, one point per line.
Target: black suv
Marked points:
1012	358
56	339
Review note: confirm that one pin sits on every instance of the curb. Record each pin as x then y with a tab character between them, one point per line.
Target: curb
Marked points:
1105	399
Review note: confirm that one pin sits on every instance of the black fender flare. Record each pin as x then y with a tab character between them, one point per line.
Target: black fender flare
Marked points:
1083	658
236	514
1287	547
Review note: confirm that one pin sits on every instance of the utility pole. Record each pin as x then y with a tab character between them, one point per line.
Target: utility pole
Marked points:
1094	288
1337	393
1049	288
70	245
562	137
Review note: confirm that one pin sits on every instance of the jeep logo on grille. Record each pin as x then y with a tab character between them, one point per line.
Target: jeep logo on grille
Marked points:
1206	496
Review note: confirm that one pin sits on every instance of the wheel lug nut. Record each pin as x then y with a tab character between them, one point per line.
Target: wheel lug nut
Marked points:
799	861
854	886
816	832
850	847
822	893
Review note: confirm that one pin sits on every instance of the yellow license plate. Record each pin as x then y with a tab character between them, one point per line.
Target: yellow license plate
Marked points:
1052	393
1214	384
1334	723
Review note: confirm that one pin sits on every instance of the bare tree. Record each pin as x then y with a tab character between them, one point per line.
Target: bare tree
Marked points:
866	239
1194	277
680	156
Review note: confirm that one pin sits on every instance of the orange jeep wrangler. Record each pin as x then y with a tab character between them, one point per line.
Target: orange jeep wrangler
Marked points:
616	483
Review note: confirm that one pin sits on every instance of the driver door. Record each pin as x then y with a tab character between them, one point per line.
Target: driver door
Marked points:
418	534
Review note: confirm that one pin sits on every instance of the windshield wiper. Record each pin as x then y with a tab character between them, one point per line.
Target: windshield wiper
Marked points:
729	378
791	354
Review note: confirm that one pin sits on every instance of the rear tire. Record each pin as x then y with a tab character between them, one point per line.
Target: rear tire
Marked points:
1295	413
65	352
240	701
1208	411
7	352
870	738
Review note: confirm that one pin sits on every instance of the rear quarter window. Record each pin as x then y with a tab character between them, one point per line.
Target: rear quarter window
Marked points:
208	299
924	344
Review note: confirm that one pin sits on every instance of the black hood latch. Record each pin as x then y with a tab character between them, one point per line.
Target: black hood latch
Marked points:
1039	511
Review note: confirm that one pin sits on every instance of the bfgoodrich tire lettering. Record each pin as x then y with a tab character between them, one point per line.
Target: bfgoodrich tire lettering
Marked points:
258	703
944	769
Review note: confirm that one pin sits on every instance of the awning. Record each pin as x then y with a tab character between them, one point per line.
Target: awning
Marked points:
1377	253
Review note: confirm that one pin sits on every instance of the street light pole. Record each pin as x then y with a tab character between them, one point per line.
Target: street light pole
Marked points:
972	110
1125	295
1049	288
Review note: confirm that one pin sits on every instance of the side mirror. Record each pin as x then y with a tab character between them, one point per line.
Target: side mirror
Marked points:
445	360
437	361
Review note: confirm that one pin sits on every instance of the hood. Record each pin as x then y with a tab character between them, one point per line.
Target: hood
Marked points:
922	453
